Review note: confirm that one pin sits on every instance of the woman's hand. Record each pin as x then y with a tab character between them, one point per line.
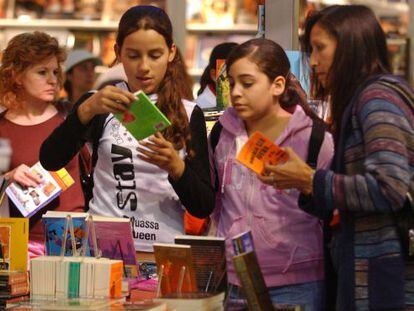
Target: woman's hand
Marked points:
161	152
294	173
24	176
110	99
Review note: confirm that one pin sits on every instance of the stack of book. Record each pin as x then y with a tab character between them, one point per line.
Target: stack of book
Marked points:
14	285
75	277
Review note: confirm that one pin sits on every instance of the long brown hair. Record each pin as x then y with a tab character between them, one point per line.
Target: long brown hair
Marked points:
273	62
361	52
176	84
22	52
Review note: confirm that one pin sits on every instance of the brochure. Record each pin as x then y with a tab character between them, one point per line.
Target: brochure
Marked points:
29	200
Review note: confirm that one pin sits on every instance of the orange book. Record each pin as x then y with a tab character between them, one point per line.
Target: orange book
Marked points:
259	150
14	237
175	266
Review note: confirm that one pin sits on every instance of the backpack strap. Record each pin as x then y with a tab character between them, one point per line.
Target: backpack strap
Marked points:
214	139
315	142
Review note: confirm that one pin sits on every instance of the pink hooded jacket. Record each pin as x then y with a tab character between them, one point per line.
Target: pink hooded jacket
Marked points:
287	241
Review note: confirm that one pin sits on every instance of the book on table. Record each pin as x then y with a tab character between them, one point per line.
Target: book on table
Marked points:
209	261
14	238
29	200
175	268
54	227
115	241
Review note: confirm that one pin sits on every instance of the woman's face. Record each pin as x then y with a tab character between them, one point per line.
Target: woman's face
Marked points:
40	82
145	57
323	51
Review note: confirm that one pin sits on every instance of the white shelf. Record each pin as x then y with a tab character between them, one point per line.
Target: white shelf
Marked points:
236	28
59	24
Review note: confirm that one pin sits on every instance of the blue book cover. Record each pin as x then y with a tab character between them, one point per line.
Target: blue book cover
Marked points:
299	69
54	227
243	243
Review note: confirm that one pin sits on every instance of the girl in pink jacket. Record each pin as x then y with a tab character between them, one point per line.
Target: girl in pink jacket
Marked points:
287	241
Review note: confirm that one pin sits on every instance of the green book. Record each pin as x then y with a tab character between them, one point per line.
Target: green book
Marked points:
143	118
73	288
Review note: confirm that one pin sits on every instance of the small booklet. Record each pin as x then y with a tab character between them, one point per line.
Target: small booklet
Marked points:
29	200
259	150
243	243
143	118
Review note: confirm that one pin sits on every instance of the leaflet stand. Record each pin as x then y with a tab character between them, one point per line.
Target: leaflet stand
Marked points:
183	273
69	226
90	229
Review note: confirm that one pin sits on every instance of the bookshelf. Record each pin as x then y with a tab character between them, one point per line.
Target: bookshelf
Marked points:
211	22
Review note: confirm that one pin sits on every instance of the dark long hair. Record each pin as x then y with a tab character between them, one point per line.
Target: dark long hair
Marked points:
176	84
273	62
220	51
361	52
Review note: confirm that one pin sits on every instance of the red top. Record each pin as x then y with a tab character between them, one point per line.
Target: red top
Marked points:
25	142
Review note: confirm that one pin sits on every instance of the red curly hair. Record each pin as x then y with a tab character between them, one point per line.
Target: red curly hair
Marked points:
22	52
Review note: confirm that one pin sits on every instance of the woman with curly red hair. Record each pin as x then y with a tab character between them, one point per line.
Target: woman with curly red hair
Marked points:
30	79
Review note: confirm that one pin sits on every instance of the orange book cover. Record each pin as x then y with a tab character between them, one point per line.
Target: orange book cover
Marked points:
14	236
259	150
175	263
115	289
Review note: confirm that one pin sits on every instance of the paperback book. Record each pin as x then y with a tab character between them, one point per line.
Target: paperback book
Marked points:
114	239
175	268
14	236
259	150
54	228
30	200
143	119
209	261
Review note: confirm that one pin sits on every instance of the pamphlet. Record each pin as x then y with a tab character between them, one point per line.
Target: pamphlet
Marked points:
259	150
29	200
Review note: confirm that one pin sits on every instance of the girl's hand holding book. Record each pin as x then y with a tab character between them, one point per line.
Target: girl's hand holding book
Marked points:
24	176
161	152
294	173
110	99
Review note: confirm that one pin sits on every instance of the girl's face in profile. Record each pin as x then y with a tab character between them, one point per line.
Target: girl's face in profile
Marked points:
252	93
40	82
323	51
145	57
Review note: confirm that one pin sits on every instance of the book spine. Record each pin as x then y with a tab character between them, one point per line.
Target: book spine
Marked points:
13	279
73	290
16	289
115	285
251	279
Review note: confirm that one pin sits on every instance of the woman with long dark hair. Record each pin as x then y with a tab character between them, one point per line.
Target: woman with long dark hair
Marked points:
153	181
367	184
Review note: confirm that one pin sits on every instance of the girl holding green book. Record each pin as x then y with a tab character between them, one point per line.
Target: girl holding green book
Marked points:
152	182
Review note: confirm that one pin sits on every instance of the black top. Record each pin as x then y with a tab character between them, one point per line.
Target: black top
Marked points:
193	188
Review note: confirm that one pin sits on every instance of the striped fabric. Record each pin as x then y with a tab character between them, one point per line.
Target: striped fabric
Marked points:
378	156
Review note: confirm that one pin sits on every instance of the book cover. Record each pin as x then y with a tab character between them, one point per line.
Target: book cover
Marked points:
209	260
114	239
175	268
252	281
259	150
10	277
243	243
222	86
14	237
54	228
143	118
30	200
15	289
